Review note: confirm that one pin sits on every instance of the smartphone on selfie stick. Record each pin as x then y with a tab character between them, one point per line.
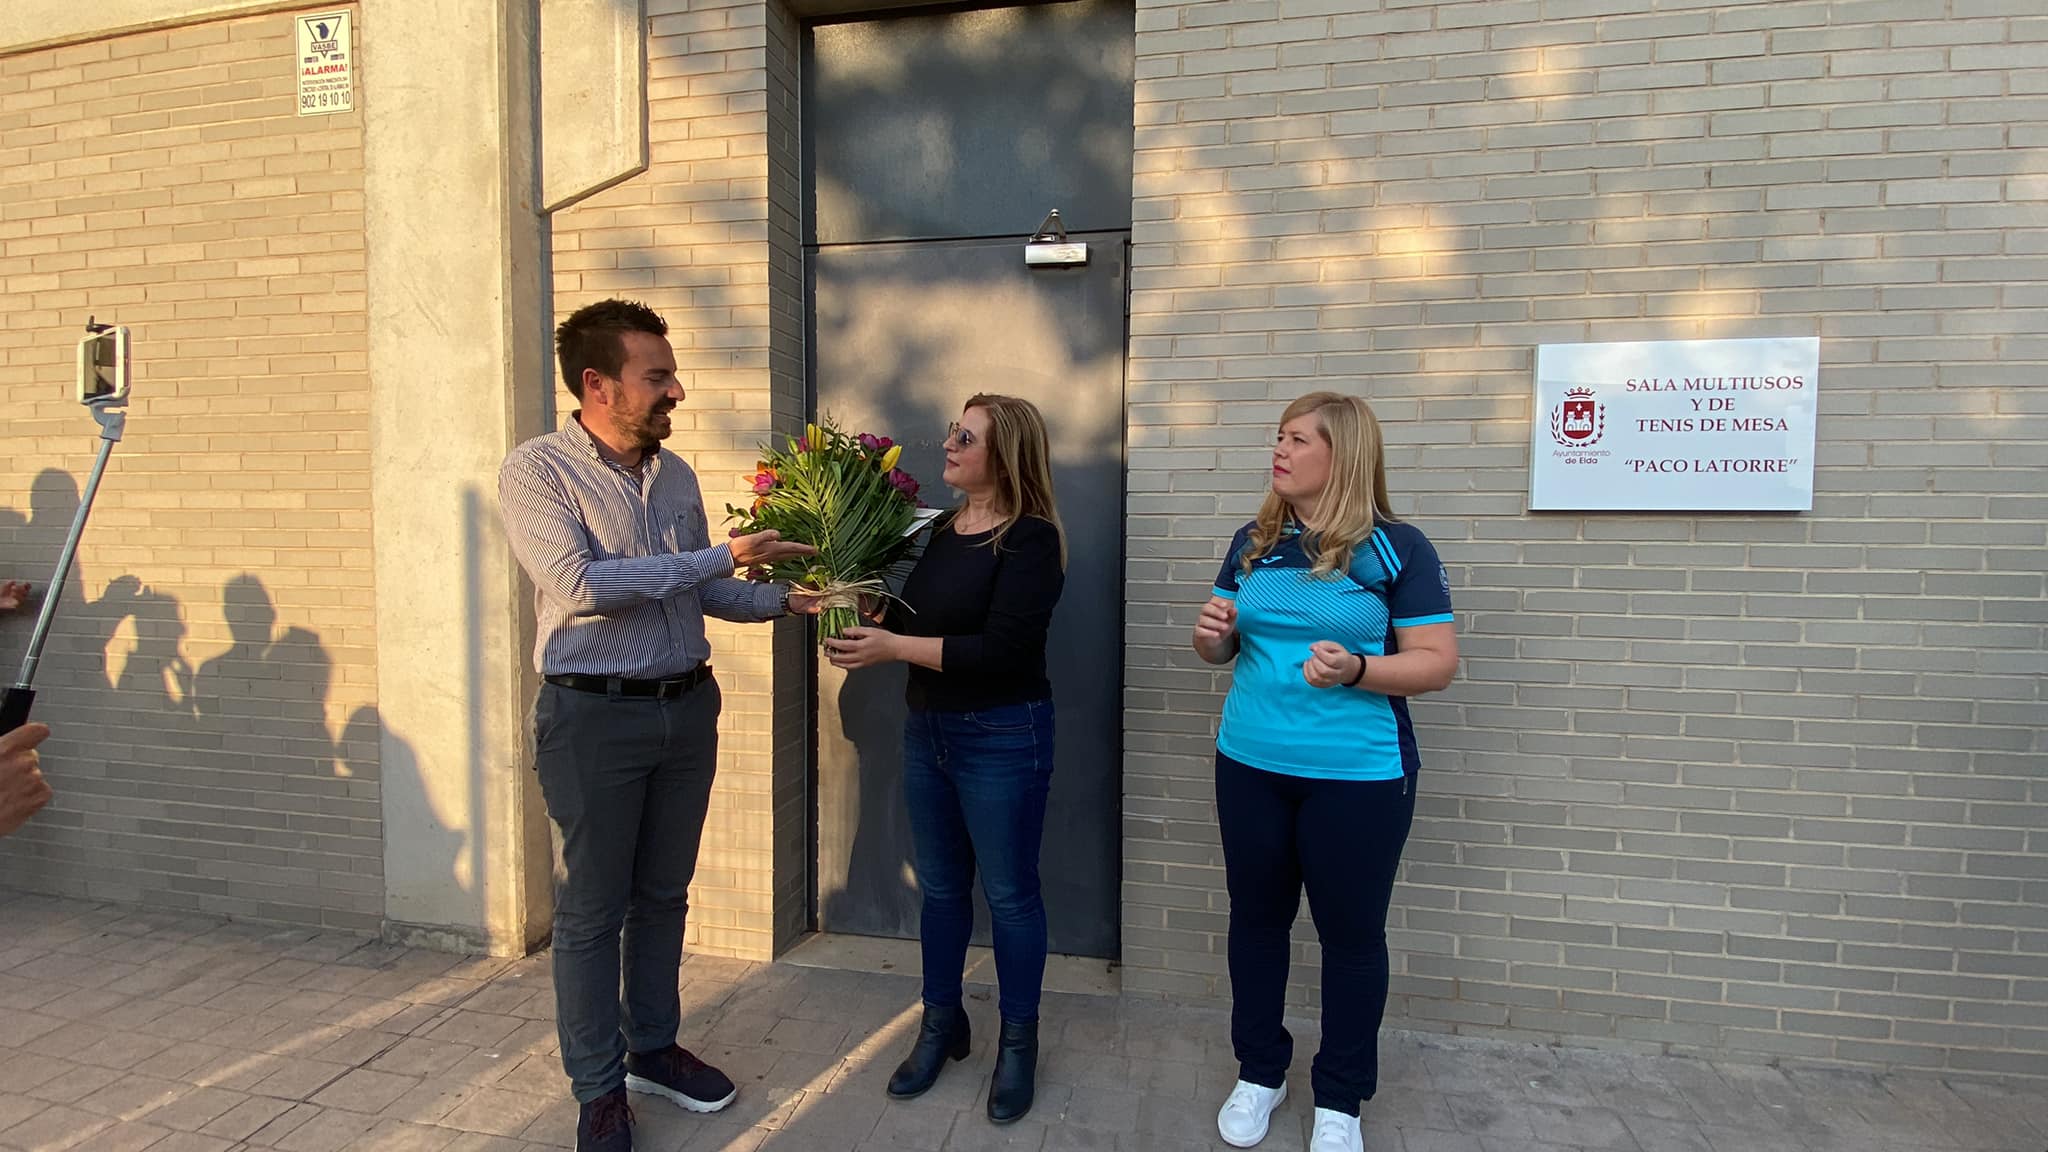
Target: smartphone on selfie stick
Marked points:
103	389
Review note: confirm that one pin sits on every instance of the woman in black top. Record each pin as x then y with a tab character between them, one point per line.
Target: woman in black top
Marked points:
977	746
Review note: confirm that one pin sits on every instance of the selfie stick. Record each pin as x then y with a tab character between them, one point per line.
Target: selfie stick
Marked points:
102	387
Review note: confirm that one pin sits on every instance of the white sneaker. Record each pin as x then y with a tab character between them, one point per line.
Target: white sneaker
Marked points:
1336	1132
1245	1115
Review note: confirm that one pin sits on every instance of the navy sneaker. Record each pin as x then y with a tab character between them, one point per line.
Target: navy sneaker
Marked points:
678	1075
606	1124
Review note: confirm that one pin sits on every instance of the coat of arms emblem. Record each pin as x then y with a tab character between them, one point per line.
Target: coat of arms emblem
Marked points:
1579	421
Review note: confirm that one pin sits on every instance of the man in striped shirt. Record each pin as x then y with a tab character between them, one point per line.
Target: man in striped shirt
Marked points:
612	530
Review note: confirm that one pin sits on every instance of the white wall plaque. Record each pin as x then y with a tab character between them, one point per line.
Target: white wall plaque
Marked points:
1693	425
326	65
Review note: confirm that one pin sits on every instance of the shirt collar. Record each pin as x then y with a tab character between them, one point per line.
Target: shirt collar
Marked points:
574	431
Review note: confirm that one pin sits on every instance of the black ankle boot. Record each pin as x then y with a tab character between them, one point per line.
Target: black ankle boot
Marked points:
1015	1082
944	1035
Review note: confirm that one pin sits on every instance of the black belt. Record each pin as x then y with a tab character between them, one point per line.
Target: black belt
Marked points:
667	689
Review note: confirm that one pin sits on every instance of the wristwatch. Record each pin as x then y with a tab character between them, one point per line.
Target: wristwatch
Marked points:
1353	682
785	599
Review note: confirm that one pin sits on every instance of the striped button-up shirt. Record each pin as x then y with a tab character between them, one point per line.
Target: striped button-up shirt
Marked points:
622	564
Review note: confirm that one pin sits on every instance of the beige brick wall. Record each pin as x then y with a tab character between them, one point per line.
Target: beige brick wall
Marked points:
699	238
210	680
1761	785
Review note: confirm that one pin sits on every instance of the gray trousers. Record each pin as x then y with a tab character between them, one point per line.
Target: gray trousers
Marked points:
628	781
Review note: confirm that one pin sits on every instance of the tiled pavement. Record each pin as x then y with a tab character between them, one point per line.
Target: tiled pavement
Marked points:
123	1032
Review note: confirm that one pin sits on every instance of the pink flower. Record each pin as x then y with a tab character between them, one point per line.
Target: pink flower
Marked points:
904	483
764	481
869	443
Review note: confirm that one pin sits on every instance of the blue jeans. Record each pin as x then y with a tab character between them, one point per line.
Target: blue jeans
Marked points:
976	783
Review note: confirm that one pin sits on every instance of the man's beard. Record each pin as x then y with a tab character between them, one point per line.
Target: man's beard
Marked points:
647	430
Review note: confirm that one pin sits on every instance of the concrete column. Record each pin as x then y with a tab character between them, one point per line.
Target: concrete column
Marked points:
458	368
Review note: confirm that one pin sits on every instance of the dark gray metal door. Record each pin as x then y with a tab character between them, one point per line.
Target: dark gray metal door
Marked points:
905	333
955	124
934	145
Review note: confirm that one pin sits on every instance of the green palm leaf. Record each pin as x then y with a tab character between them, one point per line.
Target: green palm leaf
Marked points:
830	492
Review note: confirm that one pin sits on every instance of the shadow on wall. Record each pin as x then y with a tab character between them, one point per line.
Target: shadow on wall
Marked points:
217	787
958	124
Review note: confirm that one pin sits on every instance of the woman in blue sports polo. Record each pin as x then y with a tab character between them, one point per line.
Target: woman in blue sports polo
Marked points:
1336	613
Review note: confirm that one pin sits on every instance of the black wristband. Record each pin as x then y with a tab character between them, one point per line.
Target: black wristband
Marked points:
1353	682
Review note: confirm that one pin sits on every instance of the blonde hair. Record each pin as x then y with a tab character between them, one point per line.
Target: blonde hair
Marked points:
1354	499
1020	463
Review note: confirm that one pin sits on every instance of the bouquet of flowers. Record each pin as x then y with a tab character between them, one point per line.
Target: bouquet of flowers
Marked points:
843	495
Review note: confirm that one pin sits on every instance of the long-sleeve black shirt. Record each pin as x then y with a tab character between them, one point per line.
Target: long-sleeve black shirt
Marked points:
992	606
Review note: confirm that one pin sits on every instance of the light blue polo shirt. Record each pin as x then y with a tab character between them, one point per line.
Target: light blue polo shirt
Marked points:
1274	718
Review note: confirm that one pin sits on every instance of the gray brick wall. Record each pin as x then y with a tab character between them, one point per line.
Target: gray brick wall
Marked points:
1743	784
211	680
